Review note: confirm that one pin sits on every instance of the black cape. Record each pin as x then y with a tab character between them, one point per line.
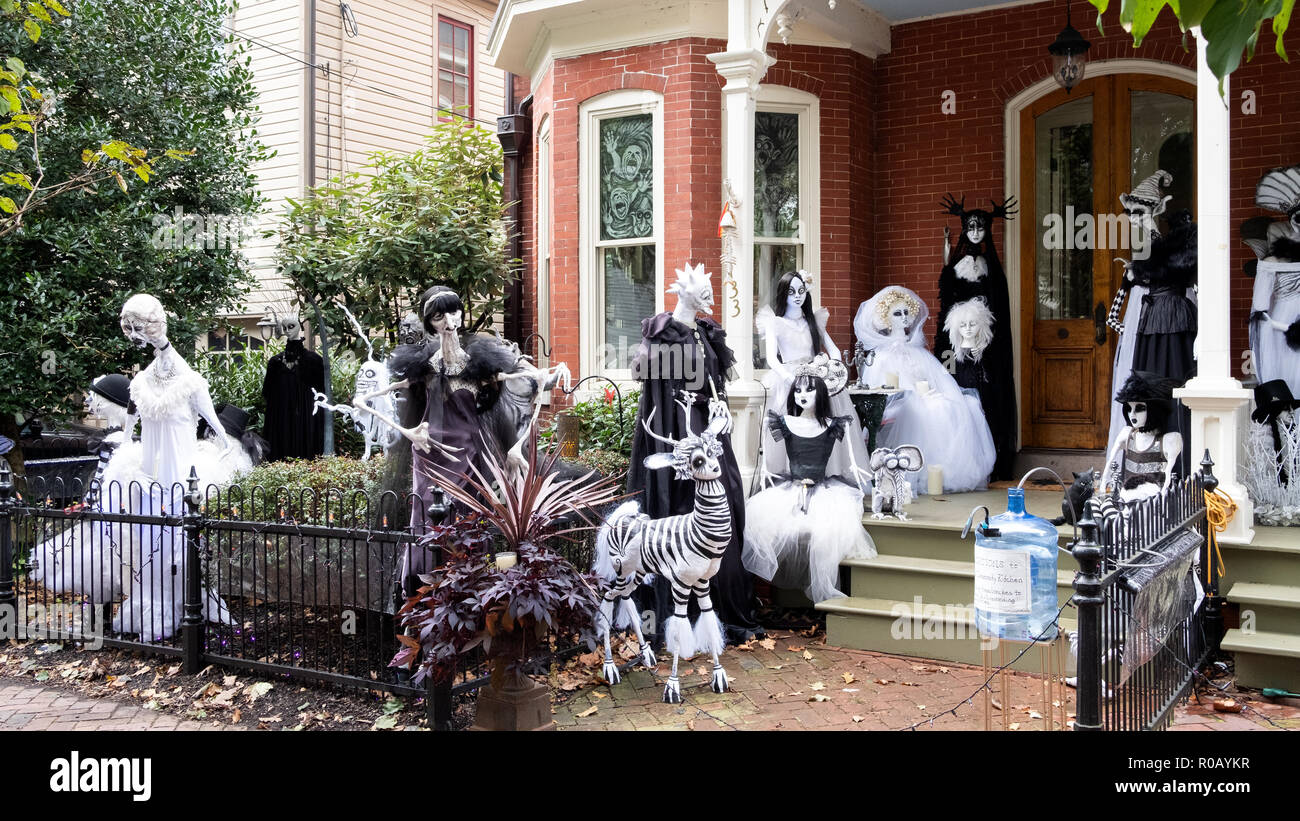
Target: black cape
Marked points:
669	361
996	381
290	427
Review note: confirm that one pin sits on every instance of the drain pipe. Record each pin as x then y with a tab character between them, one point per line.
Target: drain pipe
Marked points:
514	130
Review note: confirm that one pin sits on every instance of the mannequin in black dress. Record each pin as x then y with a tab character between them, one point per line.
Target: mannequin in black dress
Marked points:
291	429
974	270
683	356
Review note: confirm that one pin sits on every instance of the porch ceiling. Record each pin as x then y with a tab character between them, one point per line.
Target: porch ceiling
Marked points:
901	11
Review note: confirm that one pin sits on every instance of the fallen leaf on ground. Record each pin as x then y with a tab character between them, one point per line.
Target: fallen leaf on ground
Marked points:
690	725
589	711
768	644
387	722
1227	705
235	716
920	707
848	678
798	649
775	666
256	691
599	694
1034	714
817	685
883	681
807	656
1015	725
858	719
818	697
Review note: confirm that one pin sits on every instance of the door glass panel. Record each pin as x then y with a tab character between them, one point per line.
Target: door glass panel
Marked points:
1161	136
1063	188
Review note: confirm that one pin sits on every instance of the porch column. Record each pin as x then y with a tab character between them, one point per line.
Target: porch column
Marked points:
1217	401
742	68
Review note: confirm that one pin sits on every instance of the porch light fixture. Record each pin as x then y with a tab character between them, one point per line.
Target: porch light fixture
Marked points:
1069	54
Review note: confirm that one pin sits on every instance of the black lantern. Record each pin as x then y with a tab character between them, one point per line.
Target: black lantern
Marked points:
1069	54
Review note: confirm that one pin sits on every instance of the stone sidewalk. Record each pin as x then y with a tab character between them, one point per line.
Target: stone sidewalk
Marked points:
798	683
35	707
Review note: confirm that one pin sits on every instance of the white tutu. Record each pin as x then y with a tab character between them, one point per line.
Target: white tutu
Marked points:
798	550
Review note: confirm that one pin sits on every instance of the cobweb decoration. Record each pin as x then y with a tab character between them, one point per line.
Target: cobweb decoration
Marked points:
1273	477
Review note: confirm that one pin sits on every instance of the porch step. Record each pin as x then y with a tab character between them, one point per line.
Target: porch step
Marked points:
900	627
1275	607
1264	659
937	581
1273	556
1063	461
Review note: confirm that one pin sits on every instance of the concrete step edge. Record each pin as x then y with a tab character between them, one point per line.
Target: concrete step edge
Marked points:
935	567
1274	595
893	608
1261	643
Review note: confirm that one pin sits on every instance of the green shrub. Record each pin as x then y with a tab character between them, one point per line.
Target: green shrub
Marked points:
607	462
298	488
599	423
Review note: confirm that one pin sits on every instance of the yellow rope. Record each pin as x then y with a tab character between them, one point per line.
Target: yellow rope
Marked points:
1219	510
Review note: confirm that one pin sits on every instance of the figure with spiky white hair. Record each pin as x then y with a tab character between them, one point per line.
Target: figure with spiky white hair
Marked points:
683	359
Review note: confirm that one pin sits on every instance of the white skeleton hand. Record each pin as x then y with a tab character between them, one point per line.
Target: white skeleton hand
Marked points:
419	437
718	410
515	460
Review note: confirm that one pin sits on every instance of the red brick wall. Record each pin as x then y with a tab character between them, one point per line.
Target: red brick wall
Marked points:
986	59
887	153
691	87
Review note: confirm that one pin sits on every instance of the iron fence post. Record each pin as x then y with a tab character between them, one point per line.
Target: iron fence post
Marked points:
192	620
437	704
1088	597
1213	602
8	596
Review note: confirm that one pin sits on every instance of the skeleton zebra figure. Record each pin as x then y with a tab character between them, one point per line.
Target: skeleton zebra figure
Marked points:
686	549
372	410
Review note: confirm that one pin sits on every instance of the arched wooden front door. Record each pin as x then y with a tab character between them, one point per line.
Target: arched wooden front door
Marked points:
1078	153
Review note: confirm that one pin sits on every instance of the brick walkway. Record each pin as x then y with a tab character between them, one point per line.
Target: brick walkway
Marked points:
801	684
35	707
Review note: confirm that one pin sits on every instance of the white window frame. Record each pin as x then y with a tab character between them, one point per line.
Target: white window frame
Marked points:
620	103
787	100
542	232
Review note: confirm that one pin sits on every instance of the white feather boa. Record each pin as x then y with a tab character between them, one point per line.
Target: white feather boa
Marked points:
170	399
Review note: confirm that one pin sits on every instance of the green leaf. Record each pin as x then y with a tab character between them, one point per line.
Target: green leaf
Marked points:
10	95
1231	28
33	30
1190	12
1280	22
58	8
39	11
87	156
8	206
1137	17
16	65
17	178
8	142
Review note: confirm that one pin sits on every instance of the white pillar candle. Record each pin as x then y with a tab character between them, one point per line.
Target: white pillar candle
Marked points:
935	480
922	387
891	380
506	560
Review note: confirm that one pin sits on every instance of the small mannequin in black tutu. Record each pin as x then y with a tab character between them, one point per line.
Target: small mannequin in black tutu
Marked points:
809	519
1144	459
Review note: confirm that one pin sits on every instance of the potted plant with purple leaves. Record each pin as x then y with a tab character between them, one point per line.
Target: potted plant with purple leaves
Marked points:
502	588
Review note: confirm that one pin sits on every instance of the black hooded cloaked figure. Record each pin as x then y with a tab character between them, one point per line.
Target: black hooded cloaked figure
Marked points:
679	363
974	270
292	431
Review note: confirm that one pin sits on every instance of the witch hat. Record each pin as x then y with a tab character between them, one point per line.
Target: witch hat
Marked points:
1271	398
114	387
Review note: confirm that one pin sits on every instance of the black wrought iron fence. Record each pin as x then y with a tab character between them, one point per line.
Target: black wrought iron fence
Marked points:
1147	594
293	583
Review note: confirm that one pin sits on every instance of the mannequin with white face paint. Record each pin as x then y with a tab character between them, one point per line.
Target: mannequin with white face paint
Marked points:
793	333
973	271
931	411
1144	459
683	357
808	517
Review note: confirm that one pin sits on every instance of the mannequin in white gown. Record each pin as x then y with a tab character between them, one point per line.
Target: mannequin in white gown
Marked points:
169	398
792	337
931	411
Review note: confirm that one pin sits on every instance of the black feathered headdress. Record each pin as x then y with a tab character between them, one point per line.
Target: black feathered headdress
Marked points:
977	217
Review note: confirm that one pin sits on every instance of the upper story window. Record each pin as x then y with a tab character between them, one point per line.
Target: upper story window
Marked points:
455	69
622	219
786	198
